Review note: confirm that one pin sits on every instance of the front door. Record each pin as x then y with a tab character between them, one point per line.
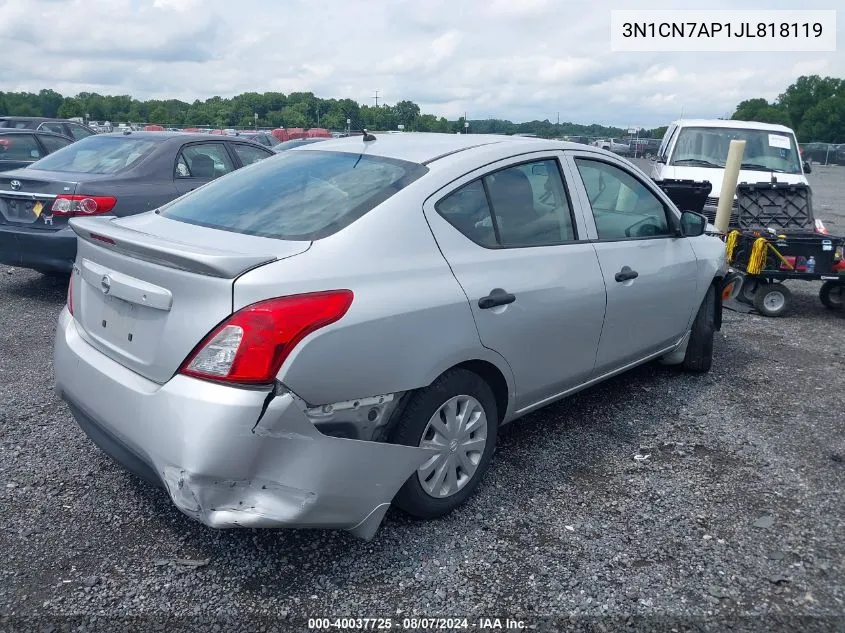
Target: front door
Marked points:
649	270
537	294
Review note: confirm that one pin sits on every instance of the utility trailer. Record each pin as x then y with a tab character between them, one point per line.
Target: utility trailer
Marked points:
775	239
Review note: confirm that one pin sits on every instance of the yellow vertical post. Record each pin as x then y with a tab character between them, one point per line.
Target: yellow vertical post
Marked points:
729	180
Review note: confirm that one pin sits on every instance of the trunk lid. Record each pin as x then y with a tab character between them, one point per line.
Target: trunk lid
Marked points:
27	195
147	289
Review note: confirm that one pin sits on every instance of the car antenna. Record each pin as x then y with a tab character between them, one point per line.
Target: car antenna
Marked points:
360	128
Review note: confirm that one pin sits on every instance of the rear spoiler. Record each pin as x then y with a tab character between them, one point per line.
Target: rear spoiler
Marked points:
188	257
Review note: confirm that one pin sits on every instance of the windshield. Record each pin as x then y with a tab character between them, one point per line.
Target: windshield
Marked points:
764	150
301	195
97	155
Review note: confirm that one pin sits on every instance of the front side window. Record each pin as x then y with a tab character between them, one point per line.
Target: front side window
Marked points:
203	160
54	143
248	154
98	155
303	195
79	131
623	207
764	150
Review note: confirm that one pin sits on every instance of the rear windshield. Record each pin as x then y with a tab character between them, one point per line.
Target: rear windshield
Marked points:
97	155
299	195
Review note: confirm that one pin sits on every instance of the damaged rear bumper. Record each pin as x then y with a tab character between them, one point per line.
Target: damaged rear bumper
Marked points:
223	461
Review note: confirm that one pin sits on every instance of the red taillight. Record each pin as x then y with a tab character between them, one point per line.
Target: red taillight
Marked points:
65	205
70	295
250	346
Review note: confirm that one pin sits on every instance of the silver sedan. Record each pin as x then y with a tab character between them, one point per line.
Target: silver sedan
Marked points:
346	325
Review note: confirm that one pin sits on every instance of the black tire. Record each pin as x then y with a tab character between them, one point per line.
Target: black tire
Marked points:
747	291
412	423
766	292
832	295
699	355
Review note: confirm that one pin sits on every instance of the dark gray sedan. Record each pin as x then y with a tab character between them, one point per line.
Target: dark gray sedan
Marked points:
107	174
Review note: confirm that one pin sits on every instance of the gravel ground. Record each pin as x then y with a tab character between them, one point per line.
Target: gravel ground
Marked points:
734	520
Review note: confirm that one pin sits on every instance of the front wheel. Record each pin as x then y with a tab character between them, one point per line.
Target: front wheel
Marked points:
832	295
699	354
772	300
455	418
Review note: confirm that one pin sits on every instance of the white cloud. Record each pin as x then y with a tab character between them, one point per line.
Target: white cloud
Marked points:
515	59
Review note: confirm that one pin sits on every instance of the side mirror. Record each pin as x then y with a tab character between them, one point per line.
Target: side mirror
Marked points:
693	224
660	159
807	168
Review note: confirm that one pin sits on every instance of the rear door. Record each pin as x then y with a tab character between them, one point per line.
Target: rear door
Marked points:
510	235
649	270
199	163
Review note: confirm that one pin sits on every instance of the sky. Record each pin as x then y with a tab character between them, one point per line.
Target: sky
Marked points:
509	59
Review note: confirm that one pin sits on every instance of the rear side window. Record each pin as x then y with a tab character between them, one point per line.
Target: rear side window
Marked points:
98	155
203	160
301	195
19	147
521	206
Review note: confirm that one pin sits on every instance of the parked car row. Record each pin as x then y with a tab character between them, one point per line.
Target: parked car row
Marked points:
117	174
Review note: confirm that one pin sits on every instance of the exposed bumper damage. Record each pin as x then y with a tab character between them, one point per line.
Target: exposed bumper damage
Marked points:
233	457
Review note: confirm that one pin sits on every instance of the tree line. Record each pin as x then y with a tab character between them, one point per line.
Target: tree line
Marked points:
275	109
813	106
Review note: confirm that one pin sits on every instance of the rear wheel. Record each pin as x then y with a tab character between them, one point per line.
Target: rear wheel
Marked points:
832	295
699	354
456	419
772	300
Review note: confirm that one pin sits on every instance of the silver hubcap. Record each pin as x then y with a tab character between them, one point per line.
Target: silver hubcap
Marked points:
458	433
836	295
773	301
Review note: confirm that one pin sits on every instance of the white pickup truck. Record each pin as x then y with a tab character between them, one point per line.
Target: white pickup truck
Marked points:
615	145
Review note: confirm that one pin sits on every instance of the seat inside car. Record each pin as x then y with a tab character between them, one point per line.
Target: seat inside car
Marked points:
513	199
202	166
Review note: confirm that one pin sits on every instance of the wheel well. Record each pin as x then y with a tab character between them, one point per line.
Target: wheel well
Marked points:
493	377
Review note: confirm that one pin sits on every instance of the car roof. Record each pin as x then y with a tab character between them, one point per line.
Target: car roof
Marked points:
17	130
426	147
167	135
732	124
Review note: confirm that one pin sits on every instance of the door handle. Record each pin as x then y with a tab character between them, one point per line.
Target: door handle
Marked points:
626	273
497	297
